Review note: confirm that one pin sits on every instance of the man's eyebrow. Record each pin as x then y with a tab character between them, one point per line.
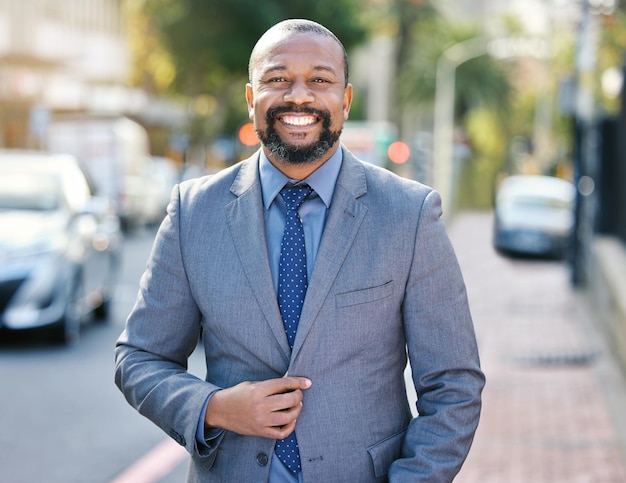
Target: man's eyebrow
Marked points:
325	68
274	68
282	68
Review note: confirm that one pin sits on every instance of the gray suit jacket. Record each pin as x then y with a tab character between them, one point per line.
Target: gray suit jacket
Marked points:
386	282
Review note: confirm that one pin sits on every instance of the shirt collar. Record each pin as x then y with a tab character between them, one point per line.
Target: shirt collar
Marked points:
322	180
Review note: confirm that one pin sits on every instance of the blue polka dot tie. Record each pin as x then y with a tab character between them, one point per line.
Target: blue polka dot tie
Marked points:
292	285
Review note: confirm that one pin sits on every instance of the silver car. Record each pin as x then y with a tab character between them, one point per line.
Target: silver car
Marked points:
59	246
534	215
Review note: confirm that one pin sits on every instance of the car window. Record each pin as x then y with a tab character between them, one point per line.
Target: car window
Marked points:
77	190
43	183
537	201
536	192
28	192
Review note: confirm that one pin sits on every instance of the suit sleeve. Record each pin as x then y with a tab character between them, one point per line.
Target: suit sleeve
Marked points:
444	357
160	334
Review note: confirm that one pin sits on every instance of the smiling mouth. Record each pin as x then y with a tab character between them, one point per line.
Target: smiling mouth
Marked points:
299	121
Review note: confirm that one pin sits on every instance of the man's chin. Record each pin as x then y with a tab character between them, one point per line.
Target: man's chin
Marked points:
296	157
299	142
301	147
299	153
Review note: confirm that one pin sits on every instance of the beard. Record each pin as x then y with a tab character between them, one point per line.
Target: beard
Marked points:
299	155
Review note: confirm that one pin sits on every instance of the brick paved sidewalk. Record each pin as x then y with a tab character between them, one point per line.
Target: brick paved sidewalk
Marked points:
555	403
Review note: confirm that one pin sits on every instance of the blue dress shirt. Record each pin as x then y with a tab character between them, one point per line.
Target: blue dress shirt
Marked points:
312	212
313	215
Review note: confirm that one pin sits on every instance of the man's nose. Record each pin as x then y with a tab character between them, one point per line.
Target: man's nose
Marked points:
299	93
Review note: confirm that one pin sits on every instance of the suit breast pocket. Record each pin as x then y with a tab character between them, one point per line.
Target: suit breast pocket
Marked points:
364	296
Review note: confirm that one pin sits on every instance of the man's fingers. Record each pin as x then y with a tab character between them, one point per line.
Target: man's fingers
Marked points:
286	400
265	408
287	384
281	432
283	416
286	393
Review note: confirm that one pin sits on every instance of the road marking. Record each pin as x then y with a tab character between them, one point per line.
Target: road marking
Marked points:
155	464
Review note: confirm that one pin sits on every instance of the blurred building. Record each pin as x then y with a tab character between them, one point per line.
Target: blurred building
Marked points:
65	56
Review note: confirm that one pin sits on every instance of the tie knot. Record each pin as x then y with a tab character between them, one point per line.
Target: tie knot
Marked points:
294	196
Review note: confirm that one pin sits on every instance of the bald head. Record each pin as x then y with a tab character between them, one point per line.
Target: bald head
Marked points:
290	27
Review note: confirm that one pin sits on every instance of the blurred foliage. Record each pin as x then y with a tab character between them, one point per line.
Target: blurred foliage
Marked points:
478	176
480	81
212	39
483	95
611	55
199	49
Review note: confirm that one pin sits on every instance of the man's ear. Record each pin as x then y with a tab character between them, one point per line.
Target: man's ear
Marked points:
250	100
347	101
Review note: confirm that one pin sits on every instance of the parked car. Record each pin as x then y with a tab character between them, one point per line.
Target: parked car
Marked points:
534	215
59	245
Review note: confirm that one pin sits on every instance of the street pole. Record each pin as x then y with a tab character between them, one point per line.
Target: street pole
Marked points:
585	158
443	128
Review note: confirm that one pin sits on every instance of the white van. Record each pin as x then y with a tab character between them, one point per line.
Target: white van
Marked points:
116	153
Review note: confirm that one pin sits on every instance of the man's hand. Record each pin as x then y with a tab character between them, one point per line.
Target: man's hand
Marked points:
267	408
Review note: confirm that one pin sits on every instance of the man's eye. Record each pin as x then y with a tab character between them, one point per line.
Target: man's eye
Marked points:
319	80
277	79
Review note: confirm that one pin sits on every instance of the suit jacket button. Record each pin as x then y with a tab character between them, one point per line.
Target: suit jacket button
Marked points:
262	459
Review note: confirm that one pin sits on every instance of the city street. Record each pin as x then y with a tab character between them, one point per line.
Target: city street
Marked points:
553	404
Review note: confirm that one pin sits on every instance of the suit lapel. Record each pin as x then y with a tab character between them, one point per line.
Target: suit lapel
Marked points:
246	223
245	219
344	219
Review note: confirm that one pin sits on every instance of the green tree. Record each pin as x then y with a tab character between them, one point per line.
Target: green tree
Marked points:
482	100
479	82
611	55
208	43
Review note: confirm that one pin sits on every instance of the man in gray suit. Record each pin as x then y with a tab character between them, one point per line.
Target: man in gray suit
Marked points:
319	397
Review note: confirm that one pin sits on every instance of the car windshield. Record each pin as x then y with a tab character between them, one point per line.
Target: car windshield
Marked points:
537	201
536	192
19	191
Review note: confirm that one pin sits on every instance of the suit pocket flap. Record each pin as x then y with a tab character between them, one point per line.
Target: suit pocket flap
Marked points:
364	296
386	452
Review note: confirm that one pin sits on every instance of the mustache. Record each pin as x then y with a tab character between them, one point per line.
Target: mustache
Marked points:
275	111
298	155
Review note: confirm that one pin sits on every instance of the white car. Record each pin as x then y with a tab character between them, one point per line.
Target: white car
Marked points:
534	215
59	246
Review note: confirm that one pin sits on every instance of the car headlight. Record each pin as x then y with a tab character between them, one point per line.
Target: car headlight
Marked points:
37	292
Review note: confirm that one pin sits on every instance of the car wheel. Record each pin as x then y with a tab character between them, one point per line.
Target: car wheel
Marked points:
67	330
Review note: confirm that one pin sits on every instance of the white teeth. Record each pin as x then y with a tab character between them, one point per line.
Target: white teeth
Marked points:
299	120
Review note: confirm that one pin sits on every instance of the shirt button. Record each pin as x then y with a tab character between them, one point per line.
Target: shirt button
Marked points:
262	459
